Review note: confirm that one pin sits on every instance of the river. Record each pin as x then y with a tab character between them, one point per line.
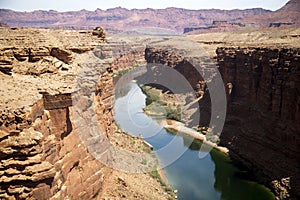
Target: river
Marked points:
212	177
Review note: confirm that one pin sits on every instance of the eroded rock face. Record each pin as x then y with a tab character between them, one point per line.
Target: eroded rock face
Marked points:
45	159
99	32
262	124
42	155
263	110
63	55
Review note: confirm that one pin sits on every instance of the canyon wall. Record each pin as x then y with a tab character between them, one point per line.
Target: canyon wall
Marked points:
42	155
263	118
170	57
262	123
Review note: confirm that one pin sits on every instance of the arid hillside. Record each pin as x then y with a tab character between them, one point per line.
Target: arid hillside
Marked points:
287	16
120	19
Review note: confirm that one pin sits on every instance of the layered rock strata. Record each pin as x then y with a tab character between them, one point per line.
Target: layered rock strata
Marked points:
262	123
263	111
42	155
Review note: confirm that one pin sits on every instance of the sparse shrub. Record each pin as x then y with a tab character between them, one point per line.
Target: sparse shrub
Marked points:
212	137
173	113
151	95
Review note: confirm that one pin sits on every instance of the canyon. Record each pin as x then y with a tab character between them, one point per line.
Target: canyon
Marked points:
42	154
53	81
262	122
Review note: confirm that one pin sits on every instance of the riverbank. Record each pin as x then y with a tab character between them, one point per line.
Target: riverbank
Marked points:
178	127
192	176
165	108
120	185
252	127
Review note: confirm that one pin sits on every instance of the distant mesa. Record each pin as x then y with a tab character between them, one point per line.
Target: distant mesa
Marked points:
179	20
281	24
287	16
218	26
119	19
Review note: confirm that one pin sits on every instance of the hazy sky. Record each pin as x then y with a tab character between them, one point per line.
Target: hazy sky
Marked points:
70	5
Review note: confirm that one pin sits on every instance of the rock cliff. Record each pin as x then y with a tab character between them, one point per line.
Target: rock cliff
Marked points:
42	155
262	123
263	110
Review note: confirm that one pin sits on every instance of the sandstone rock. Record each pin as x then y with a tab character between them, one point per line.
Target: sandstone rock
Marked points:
31	159
41	67
65	67
36	54
3	134
21	54
8	163
26	138
100	32
263	116
6	61
42	191
263	99
63	55
80	50
6	69
46	158
17	190
6	56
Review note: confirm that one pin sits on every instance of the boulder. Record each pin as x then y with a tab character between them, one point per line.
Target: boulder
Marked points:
100	32
62	54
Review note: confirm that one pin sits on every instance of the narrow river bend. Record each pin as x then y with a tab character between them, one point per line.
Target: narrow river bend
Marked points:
210	178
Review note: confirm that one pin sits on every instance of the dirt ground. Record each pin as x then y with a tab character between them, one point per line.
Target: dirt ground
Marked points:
122	185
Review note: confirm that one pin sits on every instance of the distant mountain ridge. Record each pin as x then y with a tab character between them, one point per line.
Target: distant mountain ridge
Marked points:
119	19
292	5
176	19
288	15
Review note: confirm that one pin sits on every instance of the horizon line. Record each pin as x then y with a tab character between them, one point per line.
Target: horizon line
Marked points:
120	7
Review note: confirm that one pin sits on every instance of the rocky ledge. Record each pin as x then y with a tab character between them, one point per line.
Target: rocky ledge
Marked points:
42	155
